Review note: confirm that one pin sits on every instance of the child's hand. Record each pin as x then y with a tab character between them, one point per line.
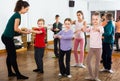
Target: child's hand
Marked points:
76	31
25	30
40	31
51	29
56	29
55	36
83	29
102	37
59	36
30	30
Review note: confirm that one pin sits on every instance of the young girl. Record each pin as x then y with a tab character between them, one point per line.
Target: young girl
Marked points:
79	39
65	37
96	32
7	38
39	44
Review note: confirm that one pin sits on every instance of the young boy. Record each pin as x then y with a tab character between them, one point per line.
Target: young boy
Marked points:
108	41
57	27
39	45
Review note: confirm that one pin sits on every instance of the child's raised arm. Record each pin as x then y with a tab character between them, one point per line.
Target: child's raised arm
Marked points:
36	31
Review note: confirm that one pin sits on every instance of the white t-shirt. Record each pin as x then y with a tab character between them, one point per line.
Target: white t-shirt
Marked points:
78	26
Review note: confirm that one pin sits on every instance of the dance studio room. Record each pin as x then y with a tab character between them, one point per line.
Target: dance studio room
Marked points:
60	40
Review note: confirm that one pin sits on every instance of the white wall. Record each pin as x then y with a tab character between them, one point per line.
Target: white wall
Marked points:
104	5
47	9
6	11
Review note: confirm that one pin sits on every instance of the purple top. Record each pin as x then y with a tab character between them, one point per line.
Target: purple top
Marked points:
66	40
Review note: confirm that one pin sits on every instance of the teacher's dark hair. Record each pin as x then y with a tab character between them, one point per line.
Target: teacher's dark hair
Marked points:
20	4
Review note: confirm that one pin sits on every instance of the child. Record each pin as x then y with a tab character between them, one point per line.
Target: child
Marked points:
108	41
96	32
39	45
65	37
57	27
79	39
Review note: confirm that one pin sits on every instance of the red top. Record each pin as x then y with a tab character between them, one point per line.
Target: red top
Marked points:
40	38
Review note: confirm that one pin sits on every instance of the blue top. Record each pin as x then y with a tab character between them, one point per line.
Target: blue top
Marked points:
109	33
66	40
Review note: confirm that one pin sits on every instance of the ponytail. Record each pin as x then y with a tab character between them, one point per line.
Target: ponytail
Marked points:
20	4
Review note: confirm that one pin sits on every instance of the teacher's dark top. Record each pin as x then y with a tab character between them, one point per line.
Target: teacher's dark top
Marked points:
9	30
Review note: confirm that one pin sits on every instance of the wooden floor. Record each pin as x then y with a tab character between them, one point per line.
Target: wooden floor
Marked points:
27	64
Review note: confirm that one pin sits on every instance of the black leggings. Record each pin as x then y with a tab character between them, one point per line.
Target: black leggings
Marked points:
11	55
64	67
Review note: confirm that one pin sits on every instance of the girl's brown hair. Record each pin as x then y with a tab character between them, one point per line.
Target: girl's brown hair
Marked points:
80	13
68	19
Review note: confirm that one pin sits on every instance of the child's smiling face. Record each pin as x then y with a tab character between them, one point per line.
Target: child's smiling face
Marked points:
40	23
67	24
95	20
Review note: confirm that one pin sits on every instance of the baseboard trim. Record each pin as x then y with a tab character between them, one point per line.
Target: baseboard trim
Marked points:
3	51
18	50
50	42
